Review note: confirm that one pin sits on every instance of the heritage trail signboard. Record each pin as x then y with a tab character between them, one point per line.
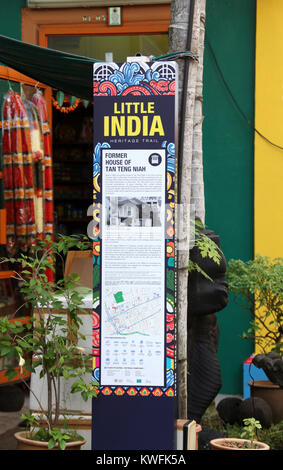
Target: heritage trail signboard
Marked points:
134	177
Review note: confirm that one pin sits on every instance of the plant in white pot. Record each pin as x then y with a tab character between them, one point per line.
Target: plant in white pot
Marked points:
49	341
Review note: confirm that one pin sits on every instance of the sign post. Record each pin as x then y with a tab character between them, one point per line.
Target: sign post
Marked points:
134	324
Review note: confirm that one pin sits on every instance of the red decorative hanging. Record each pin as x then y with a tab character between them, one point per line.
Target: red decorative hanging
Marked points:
27	171
66	109
18	174
40	103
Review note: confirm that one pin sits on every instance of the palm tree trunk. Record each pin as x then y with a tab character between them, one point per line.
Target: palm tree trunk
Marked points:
197	184
183	14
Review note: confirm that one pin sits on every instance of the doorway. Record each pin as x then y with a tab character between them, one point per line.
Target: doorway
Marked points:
86	32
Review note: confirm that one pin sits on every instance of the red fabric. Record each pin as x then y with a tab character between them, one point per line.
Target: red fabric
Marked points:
40	104
37	163
41	107
18	174
27	171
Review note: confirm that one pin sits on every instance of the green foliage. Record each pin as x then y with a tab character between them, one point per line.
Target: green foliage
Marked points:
257	285
273	436
206	246
57	437
195	267
54	436
249	429
49	341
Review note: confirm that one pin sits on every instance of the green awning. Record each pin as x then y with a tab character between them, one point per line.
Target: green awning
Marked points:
66	72
70	73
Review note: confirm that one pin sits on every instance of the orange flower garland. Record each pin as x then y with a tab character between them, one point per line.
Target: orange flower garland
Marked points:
65	109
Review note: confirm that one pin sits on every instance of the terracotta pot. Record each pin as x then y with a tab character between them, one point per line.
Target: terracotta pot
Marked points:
219	444
198	430
23	443
272	394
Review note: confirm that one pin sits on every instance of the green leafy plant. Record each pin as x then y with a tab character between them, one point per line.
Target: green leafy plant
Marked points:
207	248
49	341
242	437
249	430
257	285
273	436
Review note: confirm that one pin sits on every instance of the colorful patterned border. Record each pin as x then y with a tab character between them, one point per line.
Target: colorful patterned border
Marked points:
137	79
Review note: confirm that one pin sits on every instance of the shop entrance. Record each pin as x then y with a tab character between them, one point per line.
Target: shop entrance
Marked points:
140	33
72	165
73	125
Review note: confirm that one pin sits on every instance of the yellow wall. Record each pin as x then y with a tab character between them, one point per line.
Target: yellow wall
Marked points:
268	167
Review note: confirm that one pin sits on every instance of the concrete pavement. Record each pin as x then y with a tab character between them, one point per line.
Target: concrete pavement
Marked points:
9	424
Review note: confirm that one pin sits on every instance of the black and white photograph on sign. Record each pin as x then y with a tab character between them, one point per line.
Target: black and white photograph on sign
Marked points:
133	212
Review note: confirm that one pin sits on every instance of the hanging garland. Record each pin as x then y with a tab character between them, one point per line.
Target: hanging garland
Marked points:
65	109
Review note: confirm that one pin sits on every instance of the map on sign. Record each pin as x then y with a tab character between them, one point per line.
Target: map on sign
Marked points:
129	311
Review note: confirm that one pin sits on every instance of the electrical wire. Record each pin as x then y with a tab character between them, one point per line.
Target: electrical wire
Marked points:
234	99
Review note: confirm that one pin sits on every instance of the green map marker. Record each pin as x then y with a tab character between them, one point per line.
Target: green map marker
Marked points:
119	297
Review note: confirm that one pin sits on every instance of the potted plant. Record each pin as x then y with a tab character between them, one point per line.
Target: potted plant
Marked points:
246	442
48	341
257	285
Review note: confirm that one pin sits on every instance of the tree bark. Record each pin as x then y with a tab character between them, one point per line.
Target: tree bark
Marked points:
197	184
190	173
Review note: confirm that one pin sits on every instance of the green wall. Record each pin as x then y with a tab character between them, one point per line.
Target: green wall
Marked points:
228	159
228	151
10	25
10	18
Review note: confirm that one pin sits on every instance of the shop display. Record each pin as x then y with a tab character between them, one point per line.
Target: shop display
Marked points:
18	174
40	103
38	164
72	169
27	170
45	182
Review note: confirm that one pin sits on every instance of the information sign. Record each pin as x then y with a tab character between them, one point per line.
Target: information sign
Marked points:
134	174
